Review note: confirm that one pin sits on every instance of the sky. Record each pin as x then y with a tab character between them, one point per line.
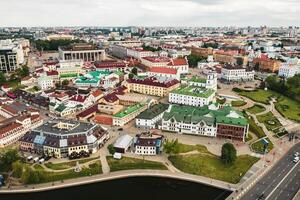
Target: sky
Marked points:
149	12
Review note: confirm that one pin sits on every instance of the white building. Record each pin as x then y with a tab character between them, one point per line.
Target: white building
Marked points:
164	72
139	53
288	70
148	144
236	74
45	82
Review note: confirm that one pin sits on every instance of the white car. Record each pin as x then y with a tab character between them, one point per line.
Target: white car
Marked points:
296	159
296	154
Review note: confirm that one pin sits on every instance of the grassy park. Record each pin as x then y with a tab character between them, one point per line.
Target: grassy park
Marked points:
238	103
256	109
262	96
258	146
126	163
211	166
270	121
66	165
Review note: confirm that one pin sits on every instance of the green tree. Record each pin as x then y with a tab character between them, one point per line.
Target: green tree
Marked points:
171	147
134	71
2	78
8	158
194	59
65	82
17	168
111	149
228	155
131	75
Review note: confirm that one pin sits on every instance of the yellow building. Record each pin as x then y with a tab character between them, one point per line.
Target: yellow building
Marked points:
152	86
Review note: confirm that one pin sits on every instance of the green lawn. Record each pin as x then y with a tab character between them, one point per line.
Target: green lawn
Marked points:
256	109
249	137
211	166
270	121
69	174
66	165
254	128
288	108
184	148
238	103
258	146
262	96
126	163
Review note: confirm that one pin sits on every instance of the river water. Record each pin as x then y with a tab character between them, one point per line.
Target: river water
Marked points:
134	188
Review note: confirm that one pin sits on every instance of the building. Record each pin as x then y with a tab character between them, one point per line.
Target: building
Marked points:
164	72
288	70
230	73
62	138
123	143
156	86
109	65
210	121
203	52
180	64
150	117
11	56
45	82
13	129
210	82
139	53
267	64
148	144
128	114
192	96
85	52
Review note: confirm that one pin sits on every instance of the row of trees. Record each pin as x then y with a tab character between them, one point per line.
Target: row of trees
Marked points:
148	48
7	158
289	87
52	45
15	76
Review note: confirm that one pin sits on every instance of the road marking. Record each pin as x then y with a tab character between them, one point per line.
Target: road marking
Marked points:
282	181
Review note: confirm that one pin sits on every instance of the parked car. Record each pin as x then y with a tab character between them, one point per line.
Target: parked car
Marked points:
296	154
296	159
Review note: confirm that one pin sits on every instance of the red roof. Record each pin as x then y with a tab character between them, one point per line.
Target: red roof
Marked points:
88	111
112	97
153	81
178	61
163	70
103	119
157	59
52	73
110	64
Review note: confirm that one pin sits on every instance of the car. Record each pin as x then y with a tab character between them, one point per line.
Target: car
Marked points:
120	129
261	197
296	159
296	154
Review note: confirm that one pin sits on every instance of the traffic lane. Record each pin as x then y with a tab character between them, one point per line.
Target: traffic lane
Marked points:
289	187
273	177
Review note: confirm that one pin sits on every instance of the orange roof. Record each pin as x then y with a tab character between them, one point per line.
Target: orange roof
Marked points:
178	61
163	70
9	127
103	119
97	93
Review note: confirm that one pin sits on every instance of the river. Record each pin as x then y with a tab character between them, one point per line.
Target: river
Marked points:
134	188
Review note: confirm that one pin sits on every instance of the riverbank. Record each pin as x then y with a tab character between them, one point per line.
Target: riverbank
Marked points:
118	175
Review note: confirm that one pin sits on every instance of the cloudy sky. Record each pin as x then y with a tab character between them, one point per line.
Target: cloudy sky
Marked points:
149	12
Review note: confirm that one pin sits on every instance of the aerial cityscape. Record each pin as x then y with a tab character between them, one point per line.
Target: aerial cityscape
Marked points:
150	99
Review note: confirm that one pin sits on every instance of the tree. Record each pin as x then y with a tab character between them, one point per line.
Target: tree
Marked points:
17	168
134	71
111	149
194	59
131	75
2	78
228	155
65	82
35	88
9	157
171	147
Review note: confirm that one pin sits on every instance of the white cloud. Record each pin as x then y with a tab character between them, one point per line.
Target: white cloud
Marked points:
149	12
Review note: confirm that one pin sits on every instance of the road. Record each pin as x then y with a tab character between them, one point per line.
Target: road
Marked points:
281	183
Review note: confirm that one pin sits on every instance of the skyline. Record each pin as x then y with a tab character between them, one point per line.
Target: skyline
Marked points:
193	13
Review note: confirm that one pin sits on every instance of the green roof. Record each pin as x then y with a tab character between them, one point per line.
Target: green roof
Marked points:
232	121
61	108
194	91
129	110
119	73
153	111
68	75
198	79
189	114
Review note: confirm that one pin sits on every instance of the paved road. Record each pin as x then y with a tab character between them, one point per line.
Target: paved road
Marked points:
281	182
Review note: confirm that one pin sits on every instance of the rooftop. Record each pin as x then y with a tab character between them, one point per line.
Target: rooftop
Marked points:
153	111
198	79
129	110
154	81
194	91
